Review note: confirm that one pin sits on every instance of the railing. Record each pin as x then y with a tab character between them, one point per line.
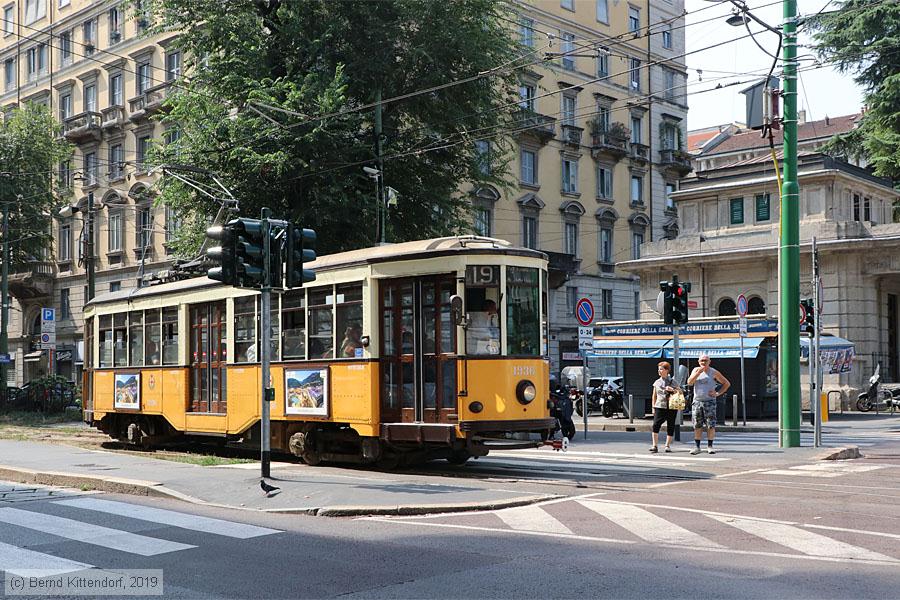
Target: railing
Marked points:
150	100
113	116
535	123
675	158
640	151
571	134
604	140
36	268
82	124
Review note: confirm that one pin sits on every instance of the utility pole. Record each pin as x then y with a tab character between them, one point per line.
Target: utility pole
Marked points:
4	292
89	250
265	345
814	347
789	248
381	211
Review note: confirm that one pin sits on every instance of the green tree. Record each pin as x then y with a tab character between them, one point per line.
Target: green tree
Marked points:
863	37
274	107
31	148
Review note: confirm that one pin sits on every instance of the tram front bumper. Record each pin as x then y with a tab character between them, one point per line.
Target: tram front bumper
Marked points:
504	426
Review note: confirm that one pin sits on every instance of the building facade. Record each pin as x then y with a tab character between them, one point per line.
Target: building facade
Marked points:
88	62
598	148
728	216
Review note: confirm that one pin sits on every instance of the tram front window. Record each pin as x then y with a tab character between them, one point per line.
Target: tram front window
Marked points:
523	325
482	308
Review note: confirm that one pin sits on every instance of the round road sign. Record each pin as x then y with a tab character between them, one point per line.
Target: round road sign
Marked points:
742	306
584	312
802	314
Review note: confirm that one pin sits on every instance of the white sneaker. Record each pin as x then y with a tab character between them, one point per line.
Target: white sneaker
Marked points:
695	451
710	450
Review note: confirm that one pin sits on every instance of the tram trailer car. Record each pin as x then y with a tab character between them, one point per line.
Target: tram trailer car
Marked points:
402	353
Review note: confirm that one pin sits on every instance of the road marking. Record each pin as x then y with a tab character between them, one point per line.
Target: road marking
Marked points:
90	534
801	540
170	517
647	525
793	473
531	518
17	560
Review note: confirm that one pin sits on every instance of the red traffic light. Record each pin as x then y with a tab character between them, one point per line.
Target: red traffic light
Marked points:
679	291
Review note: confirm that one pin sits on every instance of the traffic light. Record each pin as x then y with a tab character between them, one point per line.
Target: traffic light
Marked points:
680	293
276	267
224	253
666	288
299	250
809	319
249	263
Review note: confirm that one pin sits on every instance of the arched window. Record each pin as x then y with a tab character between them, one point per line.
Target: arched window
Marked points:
727	308
756	306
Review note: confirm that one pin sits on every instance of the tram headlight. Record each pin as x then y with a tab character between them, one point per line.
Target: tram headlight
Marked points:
476	406
525	392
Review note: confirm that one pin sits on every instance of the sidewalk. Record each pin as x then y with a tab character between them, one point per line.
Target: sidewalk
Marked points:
321	491
620	423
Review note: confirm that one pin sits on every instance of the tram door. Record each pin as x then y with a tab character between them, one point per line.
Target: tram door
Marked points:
207	356
418	350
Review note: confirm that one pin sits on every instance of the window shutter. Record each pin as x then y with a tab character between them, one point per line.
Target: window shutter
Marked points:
737	211
762	207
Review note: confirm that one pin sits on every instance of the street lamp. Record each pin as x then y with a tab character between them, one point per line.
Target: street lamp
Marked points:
66	212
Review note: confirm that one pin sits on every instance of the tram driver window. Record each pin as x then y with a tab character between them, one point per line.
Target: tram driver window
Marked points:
245	329
482	310
523	326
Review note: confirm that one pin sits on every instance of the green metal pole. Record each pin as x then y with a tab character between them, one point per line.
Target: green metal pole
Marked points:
4	293
382	209
789	249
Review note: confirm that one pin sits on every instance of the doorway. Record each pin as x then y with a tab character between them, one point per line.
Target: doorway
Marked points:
207	356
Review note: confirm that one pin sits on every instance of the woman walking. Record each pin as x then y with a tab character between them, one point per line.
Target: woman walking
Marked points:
663	388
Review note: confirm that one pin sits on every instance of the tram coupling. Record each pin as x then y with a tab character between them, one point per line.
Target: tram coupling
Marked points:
558	445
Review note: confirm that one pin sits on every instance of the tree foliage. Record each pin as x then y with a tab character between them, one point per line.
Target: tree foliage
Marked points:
863	38
30	150
263	76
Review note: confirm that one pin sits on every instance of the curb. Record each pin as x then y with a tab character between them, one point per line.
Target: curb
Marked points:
425	509
847	453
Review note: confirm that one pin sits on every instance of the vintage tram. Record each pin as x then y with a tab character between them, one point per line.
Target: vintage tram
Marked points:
405	352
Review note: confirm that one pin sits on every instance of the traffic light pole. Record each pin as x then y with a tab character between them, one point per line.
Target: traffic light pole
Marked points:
675	359
817	302
265	347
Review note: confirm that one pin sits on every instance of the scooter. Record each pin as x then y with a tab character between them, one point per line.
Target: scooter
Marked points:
605	399
885	399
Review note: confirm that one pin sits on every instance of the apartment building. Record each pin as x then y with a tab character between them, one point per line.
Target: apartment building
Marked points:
88	61
598	150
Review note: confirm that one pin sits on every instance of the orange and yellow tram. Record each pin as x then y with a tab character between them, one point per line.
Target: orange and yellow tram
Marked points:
419	350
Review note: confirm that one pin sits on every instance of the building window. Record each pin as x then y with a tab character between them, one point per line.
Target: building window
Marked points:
65	48
65	308
634	19
143	227
65	106
727	308
65	242
762	207
571	299
669	136
670	85
173	66
667	37
567	47
602	63
115	286
529	232
9	74
65	173
115	25
172	223
64	3
114	239
90	168
737	211
604	182
867	209
637	189
143	152
483	221
635	73
567	4
526	32
603	11
603	113
570	176
568	110
35	10
756	306
9	19
143	77
606	304
31	62
570	241
115	91
90	98
671	188
528	173
606	250
856	201
116	161
637	240
483	156
89	33
637	135
526	95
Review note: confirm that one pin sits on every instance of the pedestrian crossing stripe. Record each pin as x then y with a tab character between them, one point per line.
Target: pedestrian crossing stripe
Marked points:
824	469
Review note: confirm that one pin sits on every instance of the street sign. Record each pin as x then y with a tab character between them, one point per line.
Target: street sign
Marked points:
584	312
48	320
742	306
802	314
48	341
585	338
5	359
742	325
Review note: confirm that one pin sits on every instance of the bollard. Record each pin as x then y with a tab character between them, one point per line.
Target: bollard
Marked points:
631	408
734	411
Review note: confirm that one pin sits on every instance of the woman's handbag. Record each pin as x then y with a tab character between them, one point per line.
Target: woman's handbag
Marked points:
676	400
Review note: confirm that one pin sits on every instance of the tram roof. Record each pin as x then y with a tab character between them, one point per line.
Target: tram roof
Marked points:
418	249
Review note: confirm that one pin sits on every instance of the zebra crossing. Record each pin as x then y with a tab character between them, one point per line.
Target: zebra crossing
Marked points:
593	518
76	525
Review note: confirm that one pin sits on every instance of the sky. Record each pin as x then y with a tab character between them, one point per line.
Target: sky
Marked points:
823	91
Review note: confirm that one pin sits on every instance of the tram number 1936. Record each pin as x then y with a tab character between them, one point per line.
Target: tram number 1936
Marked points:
522	371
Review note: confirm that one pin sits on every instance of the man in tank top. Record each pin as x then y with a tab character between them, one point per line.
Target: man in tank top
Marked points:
705	380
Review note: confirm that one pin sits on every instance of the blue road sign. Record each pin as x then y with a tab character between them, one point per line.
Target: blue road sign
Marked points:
584	312
48	314
742	306
5	359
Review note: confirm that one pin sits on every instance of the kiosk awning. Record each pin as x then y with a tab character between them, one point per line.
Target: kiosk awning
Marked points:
836	353
715	347
625	348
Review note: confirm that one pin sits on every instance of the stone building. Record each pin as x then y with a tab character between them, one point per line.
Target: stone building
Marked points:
727	241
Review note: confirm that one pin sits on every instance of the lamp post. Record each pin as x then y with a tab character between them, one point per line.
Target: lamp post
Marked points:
66	213
380	209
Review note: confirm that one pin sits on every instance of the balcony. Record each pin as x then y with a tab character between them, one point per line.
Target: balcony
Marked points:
606	144
84	127
676	160
113	117
571	135
639	152
151	101
31	281
535	125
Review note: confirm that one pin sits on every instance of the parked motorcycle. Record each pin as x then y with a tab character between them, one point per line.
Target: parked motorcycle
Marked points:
605	399
885	399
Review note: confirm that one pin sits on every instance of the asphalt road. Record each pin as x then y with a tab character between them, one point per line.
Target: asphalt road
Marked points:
628	525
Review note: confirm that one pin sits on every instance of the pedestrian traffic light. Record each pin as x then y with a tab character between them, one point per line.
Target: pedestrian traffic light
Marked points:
224	253
249	263
299	250
680	293
666	288
809	316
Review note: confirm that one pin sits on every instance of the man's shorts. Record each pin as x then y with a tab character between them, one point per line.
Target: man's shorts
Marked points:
704	414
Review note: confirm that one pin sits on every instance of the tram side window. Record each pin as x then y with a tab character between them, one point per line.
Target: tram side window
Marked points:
153	338
545	310
105	337
245	329
482	303
170	335
136	338
349	319
523	327
321	326
293	317
120	335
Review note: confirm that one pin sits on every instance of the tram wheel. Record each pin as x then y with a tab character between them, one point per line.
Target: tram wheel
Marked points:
312	458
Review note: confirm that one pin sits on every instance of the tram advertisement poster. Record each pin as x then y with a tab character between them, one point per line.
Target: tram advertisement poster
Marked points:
128	390
306	392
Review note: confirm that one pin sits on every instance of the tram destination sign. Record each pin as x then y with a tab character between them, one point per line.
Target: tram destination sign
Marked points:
754	326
